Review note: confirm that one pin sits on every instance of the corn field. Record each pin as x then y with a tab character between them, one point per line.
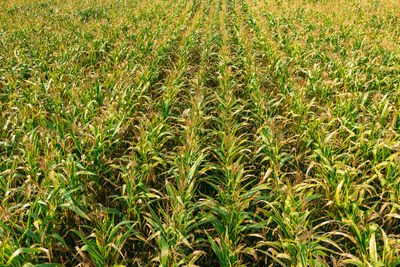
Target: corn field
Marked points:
199	133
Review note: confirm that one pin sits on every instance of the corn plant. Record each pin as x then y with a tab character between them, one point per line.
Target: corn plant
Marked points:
199	133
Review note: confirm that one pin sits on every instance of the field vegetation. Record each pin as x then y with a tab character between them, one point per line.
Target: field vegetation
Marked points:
200	133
